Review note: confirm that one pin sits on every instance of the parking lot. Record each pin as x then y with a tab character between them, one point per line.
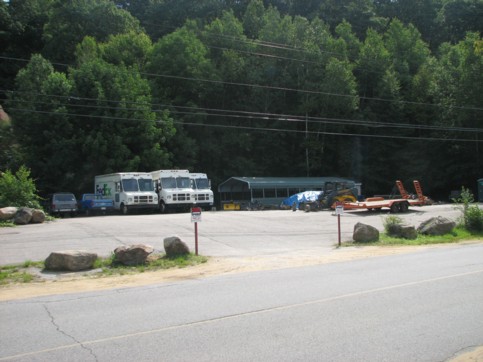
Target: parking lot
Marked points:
220	233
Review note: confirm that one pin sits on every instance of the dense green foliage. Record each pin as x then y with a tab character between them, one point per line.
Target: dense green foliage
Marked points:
18	189
371	90
472	215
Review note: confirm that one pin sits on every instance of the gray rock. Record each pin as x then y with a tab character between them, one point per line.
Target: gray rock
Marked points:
7	213
436	226
38	216
133	255
365	233
174	246
70	260
403	231
23	216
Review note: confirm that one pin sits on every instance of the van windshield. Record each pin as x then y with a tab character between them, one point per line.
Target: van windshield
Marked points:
145	184
202	183
130	184
183	182
168	182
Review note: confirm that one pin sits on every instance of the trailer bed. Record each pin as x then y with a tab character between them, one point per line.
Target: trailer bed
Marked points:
394	205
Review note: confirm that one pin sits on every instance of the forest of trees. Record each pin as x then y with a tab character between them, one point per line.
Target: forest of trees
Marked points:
373	90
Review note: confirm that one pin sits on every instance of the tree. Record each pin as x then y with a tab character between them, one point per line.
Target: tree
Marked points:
180	70
72	20
457	89
18	189
21	29
422	14
457	17
407	51
40	120
115	121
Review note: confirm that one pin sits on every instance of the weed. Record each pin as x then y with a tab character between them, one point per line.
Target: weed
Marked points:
391	223
472	215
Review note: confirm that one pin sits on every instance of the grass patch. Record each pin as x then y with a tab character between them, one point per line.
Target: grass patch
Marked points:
6	224
11	274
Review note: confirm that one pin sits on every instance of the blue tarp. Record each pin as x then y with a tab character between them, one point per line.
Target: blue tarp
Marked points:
306	196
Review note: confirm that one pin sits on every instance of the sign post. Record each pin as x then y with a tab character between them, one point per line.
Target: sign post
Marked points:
339	210
195	217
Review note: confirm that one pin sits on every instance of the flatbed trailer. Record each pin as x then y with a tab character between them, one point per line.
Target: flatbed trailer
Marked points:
394	205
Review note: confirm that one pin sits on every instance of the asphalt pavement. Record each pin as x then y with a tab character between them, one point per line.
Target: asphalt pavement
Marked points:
422	306
220	233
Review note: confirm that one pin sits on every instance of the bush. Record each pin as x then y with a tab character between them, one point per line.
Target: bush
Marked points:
472	214
18	190
391	223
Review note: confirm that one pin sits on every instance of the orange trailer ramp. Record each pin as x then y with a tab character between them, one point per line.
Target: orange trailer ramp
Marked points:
394	205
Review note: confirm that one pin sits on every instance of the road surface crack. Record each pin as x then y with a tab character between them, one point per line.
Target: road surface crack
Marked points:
57	327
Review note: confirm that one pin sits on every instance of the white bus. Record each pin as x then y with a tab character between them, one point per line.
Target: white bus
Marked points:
128	190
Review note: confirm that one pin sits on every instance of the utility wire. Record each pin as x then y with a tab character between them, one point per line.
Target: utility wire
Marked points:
235	113
318	132
285	89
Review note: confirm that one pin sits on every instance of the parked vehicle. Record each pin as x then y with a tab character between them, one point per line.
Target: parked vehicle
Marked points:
174	189
201	186
394	205
95	204
127	190
61	204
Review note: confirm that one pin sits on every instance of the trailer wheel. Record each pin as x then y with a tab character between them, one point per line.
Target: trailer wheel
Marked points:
124	209
395	208
403	207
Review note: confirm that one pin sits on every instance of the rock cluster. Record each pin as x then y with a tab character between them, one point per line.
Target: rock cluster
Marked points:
137	254
435	226
22	215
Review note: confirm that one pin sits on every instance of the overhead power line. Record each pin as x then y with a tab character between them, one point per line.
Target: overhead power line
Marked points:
215	112
284	89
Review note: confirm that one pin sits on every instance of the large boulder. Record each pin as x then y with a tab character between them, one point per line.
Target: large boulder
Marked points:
436	226
365	233
7	213
38	216
23	216
174	246
132	255
70	260
403	231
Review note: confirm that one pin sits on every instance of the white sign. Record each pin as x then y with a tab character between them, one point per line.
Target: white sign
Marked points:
339	210
195	214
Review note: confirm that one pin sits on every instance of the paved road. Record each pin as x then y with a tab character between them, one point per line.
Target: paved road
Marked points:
222	233
422	306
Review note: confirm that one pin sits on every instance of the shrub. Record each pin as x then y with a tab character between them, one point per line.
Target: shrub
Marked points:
391	223
18	190
472	214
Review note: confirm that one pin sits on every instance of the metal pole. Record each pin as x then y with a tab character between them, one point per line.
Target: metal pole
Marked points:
196	238
338	225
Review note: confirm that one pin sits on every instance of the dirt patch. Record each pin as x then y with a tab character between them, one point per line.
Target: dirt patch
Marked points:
82	282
